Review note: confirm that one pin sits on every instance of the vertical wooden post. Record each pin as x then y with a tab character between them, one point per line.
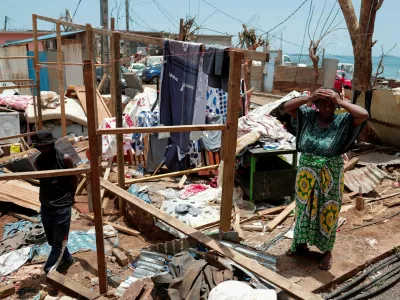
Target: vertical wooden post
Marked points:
181	29
95	154
94	166
61	79
37	70
34	104
116	79
229	139
89	193
113	83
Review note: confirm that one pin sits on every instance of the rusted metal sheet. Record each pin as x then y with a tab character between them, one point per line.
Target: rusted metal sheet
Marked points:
378	159
367	177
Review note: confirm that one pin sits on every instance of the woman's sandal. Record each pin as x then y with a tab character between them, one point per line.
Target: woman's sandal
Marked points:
326	262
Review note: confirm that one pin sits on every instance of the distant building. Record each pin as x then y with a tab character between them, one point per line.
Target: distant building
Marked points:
12	36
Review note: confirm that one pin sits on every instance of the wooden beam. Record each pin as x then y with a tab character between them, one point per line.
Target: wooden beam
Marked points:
281	217
81	186
122	259
181	29
15	57
4	138
180	128
64	23
12	87
121	228
278	280
172	174
271	211
102	190
103	80
37	71
7	290
115	81
61	79
44	174
350	164
23	217
95	153
16	80
142	39
72	288
229	139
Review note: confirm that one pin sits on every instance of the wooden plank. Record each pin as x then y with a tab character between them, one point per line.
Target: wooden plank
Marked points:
392	203
12	87
281	217
121	228
102	190
179	128
7	290
237	228
350	164
271	211
116	79
102	109
64	23
142	39
16	80
72	288
95	153
23	217
172	174
229	139
16	57
102	81
182	181
61	79
37	71
9	192
17	136
278	280
89	193
382	198
44	174
81	186
122	259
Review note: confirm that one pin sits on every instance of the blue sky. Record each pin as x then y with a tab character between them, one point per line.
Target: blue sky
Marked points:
264	15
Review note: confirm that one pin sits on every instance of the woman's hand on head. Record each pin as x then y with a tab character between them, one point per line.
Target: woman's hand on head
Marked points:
335	97
318	94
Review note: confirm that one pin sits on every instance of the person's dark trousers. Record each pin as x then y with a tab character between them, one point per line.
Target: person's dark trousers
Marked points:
56	222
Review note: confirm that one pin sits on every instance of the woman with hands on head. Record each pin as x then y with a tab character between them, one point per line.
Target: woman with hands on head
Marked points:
322	137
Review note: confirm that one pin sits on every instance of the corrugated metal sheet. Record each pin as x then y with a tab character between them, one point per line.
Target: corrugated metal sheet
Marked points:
73	54
367	177
385	107
378	159
14	68
41	38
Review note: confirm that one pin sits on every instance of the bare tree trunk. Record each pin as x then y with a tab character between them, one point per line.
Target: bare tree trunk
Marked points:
361	38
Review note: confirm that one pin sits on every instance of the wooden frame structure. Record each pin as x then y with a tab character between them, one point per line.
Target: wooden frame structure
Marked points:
228	146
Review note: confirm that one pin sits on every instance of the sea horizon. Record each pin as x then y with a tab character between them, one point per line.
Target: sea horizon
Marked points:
391	63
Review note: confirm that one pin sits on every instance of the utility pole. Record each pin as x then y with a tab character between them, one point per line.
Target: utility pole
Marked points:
105	51
127	48
5	23
281	41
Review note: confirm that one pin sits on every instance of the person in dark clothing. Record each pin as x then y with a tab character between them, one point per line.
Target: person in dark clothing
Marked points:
56	197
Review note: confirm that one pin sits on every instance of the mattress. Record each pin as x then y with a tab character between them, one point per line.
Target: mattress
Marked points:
73	112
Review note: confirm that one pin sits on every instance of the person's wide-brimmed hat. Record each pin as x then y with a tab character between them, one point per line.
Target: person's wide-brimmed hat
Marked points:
43	138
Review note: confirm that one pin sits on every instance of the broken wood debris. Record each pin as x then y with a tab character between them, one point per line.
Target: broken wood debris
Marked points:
121	228
281	217
122	259
276	279
72	288
7	290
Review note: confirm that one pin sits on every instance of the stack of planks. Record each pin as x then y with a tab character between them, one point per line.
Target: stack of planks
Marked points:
20	193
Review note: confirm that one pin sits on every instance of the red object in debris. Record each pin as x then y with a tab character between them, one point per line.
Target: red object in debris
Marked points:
192	189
